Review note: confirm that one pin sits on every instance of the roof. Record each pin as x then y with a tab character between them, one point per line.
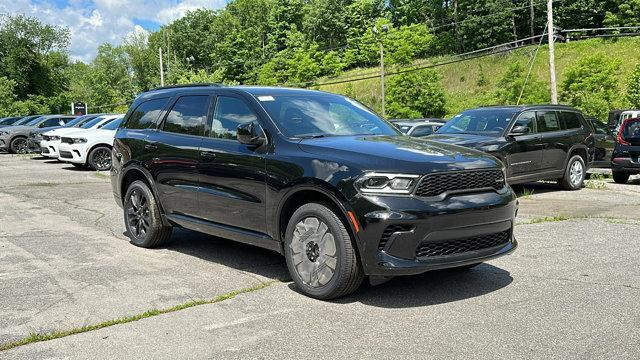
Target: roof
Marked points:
253	90
530	106
416	123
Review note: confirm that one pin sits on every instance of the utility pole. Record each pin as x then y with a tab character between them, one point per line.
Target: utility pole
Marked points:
161	67
532	15
552	57
384	29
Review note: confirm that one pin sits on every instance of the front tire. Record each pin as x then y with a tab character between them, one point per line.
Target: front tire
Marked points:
620	177
320	253
574	174
142	217
100	158
19	145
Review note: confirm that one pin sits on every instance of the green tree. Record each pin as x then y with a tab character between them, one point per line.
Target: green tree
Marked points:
416	94
633	88
592	85
510	87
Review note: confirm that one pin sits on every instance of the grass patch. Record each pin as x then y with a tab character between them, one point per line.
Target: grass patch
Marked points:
38	337
546	219
100	175
596	181
527	194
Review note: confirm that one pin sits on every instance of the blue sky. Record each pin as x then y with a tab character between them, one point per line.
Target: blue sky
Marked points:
93	22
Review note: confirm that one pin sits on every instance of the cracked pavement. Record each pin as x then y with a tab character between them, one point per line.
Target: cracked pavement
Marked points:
570	291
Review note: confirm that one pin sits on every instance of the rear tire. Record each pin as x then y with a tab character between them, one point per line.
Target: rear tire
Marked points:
621	177
320	253
574	174
142	217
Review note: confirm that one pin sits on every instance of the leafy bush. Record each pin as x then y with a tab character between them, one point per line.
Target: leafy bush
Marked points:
510	86
633	88
591	85
416	94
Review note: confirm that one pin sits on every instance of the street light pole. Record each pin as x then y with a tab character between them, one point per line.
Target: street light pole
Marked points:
552	56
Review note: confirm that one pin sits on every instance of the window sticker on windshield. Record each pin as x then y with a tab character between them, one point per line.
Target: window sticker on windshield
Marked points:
266	98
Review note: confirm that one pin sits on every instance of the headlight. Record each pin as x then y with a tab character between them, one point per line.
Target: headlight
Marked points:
54	137
79	140
380	183
37	136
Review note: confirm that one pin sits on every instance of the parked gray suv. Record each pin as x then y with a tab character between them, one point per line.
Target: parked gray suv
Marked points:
14	138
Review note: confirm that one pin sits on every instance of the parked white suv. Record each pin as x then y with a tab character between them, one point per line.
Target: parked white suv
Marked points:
91	147
51	139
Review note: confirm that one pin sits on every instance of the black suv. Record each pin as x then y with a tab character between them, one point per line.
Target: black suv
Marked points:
314	176
626	155
541	142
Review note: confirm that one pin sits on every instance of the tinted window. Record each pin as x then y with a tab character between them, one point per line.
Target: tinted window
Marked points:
92	123
631	130
323	115
188	115
422	131
51	122
33	122
600	127
113	125
479	121
145	114
570	120
229	113
547	121
404	128
527	119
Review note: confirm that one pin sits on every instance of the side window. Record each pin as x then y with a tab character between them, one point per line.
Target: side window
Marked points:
600	128
527	119
51	122
570	120
229	113
188	115
547	121
145	114
422	131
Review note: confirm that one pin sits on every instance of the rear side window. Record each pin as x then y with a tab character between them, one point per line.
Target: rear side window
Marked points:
570	120
547	121
188	115
146	114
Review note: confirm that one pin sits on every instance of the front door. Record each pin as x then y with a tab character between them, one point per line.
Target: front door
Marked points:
525	156
232	175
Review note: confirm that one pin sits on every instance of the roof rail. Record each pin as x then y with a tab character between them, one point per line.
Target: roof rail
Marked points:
187	86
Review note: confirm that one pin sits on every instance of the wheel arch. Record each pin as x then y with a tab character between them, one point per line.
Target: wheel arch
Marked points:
580	150
94	146
133	173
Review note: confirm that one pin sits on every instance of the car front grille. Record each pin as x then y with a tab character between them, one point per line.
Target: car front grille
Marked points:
459	246
390	230
438	183
66	154
66	140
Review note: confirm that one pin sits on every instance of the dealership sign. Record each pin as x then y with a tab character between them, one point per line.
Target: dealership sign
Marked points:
79	108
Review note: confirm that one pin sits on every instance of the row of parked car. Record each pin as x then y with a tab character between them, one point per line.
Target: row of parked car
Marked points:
84	141
324	181
539	138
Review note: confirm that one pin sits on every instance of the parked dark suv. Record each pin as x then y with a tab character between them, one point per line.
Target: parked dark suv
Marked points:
542	142
314	176
626	155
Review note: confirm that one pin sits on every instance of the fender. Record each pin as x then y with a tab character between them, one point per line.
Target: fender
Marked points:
321	187
152	182
575	147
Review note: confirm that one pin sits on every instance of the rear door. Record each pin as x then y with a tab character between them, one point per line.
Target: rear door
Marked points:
232	175
525	156
175	147
604	143
555	139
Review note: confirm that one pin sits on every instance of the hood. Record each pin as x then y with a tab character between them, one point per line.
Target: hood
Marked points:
63	131
403	154
467	140
89	133
44	130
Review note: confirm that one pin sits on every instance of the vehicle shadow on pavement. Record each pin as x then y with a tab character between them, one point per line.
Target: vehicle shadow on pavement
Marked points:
535	188
432	288
229	253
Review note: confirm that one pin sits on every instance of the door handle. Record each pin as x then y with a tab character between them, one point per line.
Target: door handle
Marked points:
150	147
208	155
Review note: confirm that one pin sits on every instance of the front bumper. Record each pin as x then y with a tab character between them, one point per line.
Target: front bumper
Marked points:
49	148
4	143
33	145
410	235
73	153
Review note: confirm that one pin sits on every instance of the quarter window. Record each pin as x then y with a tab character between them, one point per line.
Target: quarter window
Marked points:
229	113
570	120
145	114
548	121
188	115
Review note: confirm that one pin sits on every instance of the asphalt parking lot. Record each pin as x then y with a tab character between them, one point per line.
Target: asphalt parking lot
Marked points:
570	291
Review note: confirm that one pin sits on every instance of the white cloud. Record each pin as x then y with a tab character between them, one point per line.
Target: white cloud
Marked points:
93	22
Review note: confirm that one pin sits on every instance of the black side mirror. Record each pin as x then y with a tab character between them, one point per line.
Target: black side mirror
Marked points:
250	134
519	130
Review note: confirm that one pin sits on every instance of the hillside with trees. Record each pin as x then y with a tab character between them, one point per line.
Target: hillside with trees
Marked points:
304	43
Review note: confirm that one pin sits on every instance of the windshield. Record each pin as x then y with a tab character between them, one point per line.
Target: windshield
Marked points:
25	120
92	123
113	124
631	130
323	115
78	120
34	121
479	121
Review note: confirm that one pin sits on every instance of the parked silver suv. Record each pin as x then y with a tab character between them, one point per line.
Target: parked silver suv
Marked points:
14	138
